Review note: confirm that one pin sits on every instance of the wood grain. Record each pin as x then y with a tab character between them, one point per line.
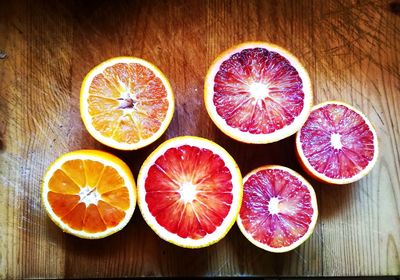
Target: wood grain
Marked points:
350	48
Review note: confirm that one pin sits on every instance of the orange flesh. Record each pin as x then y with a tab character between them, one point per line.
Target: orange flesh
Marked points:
68	202
127	102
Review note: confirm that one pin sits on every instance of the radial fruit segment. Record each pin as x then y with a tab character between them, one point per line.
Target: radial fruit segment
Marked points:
89	194
337	144
258	93
279	209
190	191
126	103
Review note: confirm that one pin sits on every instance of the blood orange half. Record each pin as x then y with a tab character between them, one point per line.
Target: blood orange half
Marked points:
190	191
258	92
337	144
279	209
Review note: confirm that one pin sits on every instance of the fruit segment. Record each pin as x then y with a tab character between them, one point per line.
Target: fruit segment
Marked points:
99	105
103	87
93	221
127	132
337	141
62	204
75	217
62	183
110	180
189	191
118	198
111	215
258	91
93	172
107	122
75	170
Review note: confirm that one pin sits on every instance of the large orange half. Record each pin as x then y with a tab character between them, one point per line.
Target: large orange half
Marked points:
257	92
190	191
126	103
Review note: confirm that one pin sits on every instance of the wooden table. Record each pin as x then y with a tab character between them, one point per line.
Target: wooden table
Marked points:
350	48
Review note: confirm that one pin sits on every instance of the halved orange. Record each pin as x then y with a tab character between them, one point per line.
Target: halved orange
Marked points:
257	92
126	103
89	194
279	210
190	191
338	144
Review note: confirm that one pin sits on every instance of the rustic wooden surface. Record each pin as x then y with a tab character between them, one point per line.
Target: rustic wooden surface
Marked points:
350	48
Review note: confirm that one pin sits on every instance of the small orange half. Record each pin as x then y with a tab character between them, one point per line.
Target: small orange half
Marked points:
126	103
89	194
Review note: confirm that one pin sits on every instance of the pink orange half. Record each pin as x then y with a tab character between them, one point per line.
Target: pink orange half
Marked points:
257	92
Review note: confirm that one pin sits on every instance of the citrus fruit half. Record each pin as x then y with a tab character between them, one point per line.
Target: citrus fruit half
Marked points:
126	103
279	209
257	92
89	194
190	191
337	144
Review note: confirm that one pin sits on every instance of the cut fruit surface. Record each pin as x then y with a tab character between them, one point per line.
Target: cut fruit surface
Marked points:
190	191
89	194
279	209
337	144
126	103
258	92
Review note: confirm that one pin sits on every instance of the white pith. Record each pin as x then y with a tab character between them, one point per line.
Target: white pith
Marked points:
188	192
273	206
259	90
89	196
123	103
335	141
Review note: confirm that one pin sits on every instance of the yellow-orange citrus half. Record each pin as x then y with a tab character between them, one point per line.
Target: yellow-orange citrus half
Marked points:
126	103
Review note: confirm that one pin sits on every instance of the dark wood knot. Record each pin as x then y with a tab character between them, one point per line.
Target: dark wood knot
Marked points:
3	54
394	7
